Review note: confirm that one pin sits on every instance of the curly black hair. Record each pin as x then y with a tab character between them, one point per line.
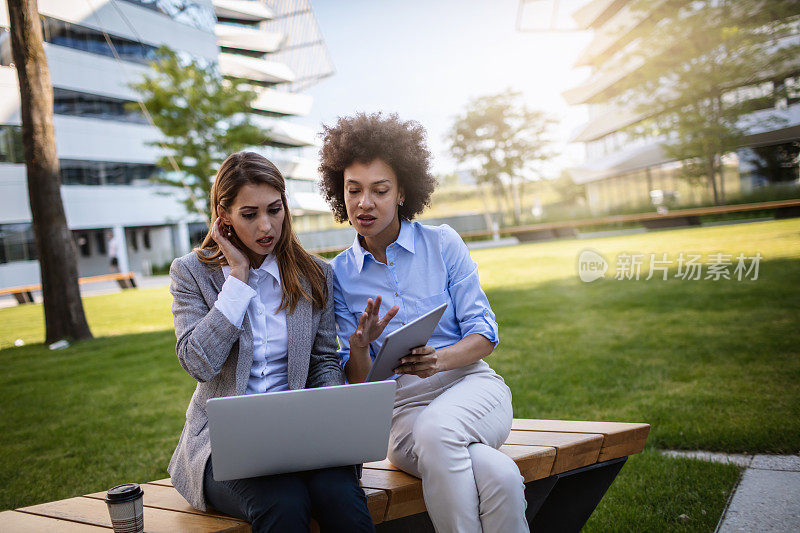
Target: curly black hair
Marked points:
364	138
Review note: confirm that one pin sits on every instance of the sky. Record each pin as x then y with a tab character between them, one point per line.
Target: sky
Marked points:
426	59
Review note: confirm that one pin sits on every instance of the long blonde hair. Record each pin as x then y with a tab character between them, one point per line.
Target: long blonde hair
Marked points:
293	261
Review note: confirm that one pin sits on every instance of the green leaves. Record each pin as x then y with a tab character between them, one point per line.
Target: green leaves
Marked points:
203	117
695	58
502	139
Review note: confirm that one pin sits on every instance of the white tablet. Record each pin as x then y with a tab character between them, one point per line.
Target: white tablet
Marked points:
401	341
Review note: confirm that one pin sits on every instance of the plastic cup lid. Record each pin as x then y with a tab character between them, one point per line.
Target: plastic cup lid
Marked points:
124	493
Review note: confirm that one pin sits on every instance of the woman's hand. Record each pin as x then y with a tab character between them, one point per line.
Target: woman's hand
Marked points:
424	362
370	326
236	259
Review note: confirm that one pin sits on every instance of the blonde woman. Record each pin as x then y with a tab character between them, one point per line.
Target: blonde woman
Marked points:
254	313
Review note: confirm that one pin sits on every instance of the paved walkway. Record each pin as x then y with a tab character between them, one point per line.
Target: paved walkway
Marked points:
768	495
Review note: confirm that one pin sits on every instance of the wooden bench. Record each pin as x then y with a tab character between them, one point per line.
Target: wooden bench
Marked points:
567	466
24	294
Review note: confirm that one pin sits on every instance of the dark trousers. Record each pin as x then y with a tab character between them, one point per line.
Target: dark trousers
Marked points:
285	502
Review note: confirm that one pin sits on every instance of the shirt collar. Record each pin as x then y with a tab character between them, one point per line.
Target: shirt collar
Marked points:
405	239
269	266
406	236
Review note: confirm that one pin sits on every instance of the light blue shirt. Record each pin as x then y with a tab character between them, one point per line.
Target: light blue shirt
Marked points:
425	267
260	298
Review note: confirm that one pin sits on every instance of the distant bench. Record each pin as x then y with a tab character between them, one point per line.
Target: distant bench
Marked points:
567	466
680	217
24	294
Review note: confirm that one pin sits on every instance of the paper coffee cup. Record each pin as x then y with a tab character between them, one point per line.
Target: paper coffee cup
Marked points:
125	506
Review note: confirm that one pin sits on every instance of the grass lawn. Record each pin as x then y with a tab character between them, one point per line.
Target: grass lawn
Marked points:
710	364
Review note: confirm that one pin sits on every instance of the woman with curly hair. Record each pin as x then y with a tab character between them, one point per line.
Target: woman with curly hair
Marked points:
452	411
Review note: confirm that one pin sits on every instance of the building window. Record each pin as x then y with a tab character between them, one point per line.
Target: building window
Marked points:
240	52
76	172
67	102
237	22
197	233
146	239
17	243
294	186
5	48
197	14
100	242
11	150
82	241
132	235
86	39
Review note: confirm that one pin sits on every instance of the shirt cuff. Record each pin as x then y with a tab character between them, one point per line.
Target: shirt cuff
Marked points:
233	300
344	356
486	327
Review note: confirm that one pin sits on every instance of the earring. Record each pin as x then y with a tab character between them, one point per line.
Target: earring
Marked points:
400	204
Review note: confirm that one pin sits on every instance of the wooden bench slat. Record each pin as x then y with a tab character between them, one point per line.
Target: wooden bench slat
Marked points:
116	276
15	521
128	277
573	450
162	495
377	503
381	465
615	432
540	448
95	512
534	462
620	439
26	288
403	490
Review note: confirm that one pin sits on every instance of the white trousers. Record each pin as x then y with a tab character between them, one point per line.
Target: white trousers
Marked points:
446	430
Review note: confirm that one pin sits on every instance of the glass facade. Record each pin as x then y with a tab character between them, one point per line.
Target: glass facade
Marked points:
11	150
196	14
67	102
630	191
17	243
88	40
295	185
5	48
236	22
74	172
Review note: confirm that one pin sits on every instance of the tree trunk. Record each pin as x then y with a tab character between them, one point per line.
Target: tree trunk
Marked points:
712	177
499	198
63	309
721	171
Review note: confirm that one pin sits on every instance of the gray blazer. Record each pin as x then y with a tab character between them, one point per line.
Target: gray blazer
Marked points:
219	356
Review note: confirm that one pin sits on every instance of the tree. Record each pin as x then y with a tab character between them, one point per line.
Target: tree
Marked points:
569	192
705	65
504	139
203	117
63	308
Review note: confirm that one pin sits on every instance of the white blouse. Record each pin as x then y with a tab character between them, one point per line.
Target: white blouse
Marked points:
259	298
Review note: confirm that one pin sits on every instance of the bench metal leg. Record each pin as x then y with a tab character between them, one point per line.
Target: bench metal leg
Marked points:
127	283
572	496
25	297
417	523
563	502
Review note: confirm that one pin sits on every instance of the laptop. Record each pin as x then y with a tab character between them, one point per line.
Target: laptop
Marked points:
291	431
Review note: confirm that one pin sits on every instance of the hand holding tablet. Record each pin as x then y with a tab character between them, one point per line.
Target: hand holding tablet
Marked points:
399	343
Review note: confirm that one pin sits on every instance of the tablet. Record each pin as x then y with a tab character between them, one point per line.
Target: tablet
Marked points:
401	341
